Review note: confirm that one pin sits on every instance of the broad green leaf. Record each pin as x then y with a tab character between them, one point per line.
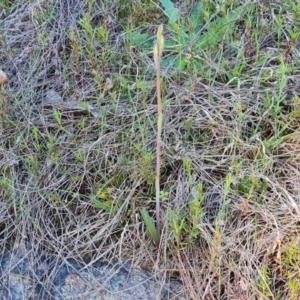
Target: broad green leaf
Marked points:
196	18
175	61
170	10
170	44
180	63
150	226
168	60
138	39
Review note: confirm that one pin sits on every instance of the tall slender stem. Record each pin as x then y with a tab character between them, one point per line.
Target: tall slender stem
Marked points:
157	50
158	144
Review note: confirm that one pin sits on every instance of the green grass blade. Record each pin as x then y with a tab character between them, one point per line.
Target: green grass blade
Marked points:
103	206
150	226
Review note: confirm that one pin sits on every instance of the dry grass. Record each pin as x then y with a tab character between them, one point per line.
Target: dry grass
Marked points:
230	144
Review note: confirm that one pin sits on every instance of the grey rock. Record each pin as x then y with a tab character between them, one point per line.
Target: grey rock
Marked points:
26	275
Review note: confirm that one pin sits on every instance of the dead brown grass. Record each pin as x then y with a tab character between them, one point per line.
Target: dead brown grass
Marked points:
54	160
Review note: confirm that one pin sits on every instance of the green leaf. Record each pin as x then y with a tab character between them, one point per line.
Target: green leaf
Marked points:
227	183
226	202
103	206
139	39
177	62
235	14
150	226
180	63
170	10
170	44
168	60
196	18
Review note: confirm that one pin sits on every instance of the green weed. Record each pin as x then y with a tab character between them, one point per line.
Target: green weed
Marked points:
264	282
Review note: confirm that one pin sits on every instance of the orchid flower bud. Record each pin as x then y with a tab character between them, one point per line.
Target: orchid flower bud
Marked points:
159	46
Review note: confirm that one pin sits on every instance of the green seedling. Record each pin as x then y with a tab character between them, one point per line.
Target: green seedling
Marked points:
79	156
57	116
183	222
37	141
164	196
187	163
294	286
88	29
178	226
5	186
75	45
146	168
223	210
196	212
264	282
